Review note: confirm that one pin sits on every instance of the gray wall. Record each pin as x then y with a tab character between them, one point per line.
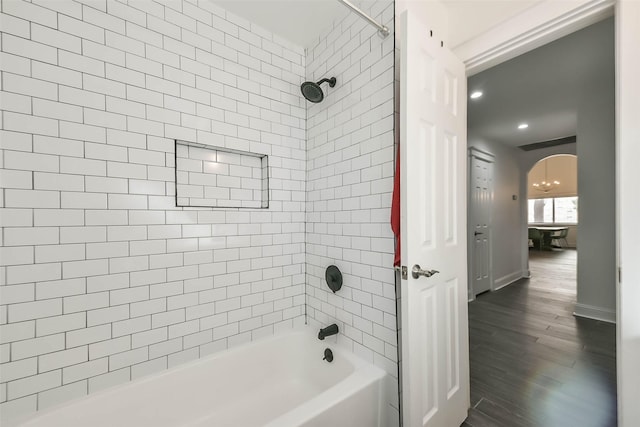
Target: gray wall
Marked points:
596	193
510	255
508	251
596	189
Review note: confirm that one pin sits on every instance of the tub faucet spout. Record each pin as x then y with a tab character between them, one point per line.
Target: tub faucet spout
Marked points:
328	331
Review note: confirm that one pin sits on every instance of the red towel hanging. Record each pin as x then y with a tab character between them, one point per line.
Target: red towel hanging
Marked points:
395	209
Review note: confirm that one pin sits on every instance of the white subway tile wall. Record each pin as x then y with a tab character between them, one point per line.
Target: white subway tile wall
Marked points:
103	279
350	155
209	176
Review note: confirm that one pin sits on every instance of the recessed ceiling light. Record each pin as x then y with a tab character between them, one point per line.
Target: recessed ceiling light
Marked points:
475	95
523	126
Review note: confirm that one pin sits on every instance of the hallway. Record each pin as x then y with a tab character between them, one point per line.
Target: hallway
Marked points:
532	362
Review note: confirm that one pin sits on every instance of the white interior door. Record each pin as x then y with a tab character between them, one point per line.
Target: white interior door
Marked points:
435	348
481	182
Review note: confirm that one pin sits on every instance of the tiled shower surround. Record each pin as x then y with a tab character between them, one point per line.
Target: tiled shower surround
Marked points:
103	278
349	185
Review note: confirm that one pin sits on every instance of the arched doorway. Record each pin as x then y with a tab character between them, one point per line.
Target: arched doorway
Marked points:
552	220
552	201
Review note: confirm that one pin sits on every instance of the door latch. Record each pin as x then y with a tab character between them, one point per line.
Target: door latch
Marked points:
402	270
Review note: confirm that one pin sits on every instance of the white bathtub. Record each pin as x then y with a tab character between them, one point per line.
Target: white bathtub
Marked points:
280	381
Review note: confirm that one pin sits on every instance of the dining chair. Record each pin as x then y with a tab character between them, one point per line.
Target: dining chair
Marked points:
560	236
535	236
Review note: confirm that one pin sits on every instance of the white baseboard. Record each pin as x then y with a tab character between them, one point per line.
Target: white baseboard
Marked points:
595	313
507	280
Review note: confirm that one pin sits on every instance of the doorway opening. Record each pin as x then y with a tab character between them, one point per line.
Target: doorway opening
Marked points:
531	358
552	223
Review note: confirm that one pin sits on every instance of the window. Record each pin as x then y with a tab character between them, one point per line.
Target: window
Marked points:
563	210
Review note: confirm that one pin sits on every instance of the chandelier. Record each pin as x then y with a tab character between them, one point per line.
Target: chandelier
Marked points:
546	185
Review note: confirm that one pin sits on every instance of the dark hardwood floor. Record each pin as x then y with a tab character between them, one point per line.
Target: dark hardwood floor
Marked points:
533	364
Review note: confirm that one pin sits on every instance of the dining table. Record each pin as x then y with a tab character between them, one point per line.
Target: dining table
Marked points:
547	232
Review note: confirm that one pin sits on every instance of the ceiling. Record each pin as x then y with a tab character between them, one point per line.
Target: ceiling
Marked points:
302	21
298	21
468	18
543	88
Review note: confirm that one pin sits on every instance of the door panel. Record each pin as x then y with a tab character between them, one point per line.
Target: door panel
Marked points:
449	188
426	183
430	361
435	353
453	338
481	199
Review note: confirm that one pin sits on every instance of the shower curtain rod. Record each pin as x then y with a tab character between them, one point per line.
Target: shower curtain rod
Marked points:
382	30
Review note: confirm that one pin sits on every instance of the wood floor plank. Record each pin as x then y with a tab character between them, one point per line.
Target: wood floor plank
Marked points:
501	414
480	419
533	364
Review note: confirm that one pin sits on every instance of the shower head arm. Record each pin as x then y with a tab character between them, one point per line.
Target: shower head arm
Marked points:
331	81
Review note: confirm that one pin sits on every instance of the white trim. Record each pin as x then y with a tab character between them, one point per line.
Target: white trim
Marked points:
481	154
552	194
595	313
539	25
507	280
542	24
628	209
534	27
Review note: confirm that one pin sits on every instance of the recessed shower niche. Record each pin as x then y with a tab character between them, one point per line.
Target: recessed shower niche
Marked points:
215	177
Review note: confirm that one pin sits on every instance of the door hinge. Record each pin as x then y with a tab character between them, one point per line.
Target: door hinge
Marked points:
619	274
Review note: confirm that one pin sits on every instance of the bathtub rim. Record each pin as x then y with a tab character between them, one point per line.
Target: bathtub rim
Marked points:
365	376
360	365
